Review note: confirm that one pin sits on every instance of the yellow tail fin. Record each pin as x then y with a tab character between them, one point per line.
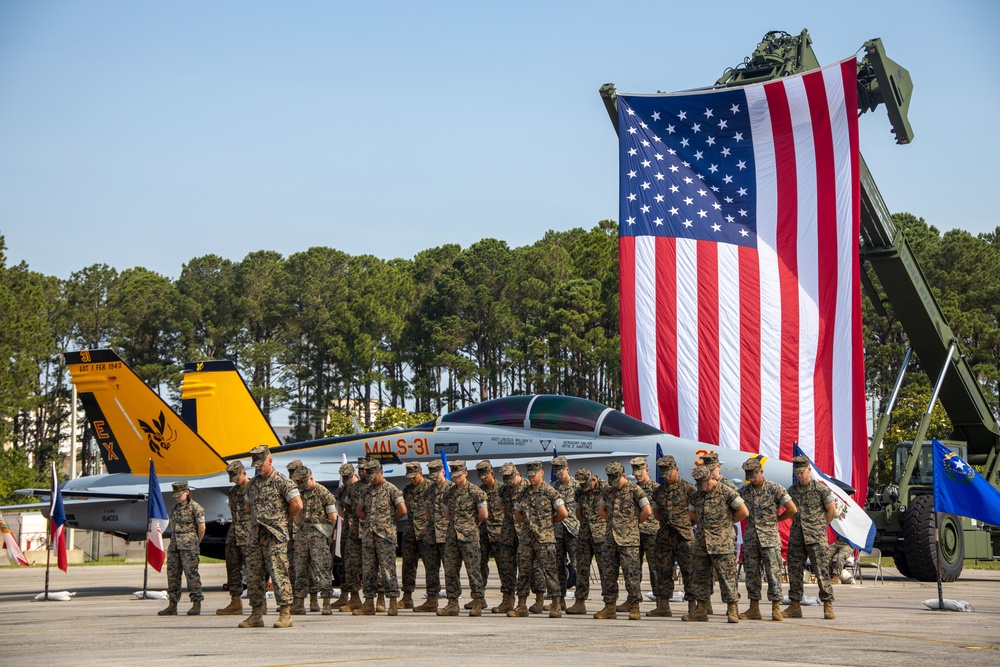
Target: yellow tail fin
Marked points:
217	403
133	424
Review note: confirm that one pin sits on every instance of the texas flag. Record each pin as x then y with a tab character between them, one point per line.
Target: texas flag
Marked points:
57	523
156	512
13	548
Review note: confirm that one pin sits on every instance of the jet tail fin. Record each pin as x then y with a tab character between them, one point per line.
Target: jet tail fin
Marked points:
217	403
133	424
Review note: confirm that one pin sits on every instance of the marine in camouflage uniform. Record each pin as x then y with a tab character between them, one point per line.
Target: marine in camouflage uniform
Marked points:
568	530
510	530
236	538
761	542
491	529
437	533
592	533
187	525
315	526
670	503
711	461
538	508
840	551
649	528
355	544
465	508
807	539
414	528
381	506
624	505
348	599
714	507
273	499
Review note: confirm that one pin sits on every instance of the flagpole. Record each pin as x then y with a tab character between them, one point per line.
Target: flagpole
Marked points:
145	567
937	545
48	560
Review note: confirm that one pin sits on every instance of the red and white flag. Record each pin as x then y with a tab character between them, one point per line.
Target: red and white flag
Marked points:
13	548
156	515
740	278
57	523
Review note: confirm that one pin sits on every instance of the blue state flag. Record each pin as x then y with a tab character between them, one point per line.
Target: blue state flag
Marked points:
552	476
851	522
659	455
959	489
444	460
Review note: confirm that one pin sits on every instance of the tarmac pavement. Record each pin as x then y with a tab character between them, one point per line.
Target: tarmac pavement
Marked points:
876	625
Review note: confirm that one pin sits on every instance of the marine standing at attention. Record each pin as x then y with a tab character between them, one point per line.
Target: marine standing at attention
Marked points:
236	538
807	539
187	523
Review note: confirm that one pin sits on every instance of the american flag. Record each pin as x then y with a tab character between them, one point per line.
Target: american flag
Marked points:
738	251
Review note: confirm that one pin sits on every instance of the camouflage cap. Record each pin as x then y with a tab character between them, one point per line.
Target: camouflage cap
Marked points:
751	467
484	468
259	454
614	469
701	473
435	466
180	488
412	469
560	462
300	474
666	463
234	469
297	463
508	470
457	465
799	462
346	471
372	465
583	475
711	460
533	467
638	463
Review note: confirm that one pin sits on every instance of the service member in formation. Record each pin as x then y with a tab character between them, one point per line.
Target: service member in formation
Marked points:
510	533
761	542
315	525
711	461
236	538
379	509
466	508
273	501
348	600
817	508
437	533
649	528
414	528
670	504
593	531
624	506
355	545
539	508
714	508
187	523
293	529
567	530
490	530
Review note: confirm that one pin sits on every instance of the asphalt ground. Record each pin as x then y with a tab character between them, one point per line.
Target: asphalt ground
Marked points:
105	624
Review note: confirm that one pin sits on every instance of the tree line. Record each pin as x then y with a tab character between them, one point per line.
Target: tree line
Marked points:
324	334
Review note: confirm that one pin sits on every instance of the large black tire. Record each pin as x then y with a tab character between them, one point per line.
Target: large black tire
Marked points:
921	552
899	558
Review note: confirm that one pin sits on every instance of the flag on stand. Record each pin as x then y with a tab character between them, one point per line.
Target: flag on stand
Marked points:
851	522
57	523
740	279
13	548
959	489
444	460
156	514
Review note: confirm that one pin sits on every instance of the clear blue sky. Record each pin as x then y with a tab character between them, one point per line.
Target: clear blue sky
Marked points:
146	134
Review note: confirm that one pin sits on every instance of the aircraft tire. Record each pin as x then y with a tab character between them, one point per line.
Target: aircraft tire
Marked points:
919	544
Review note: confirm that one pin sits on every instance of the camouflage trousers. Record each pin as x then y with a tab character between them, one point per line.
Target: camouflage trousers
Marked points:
313	564
487	548
379	566
612	557
536	567
798	551
839	553
565	548
647	550
352	564
768	559
433	553
187	561
506	560
724	567
671	547
455	554
267	555
585	552
413	551
236	560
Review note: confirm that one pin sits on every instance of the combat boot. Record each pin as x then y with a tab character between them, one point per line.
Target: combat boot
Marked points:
450	609
380	602
505	605
430	605
662	609
313	602
708	607
195	609
733	613
367	609
753	613
255	619
793	610
407	601
234	608
579	607
776	611
393	608
299	607
624	606
609	611
478	604
469	604
828	610
284	617
539	605
692	606
556	608
341	601
327	607
521	610
633	612
171	609
699	614
353	603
